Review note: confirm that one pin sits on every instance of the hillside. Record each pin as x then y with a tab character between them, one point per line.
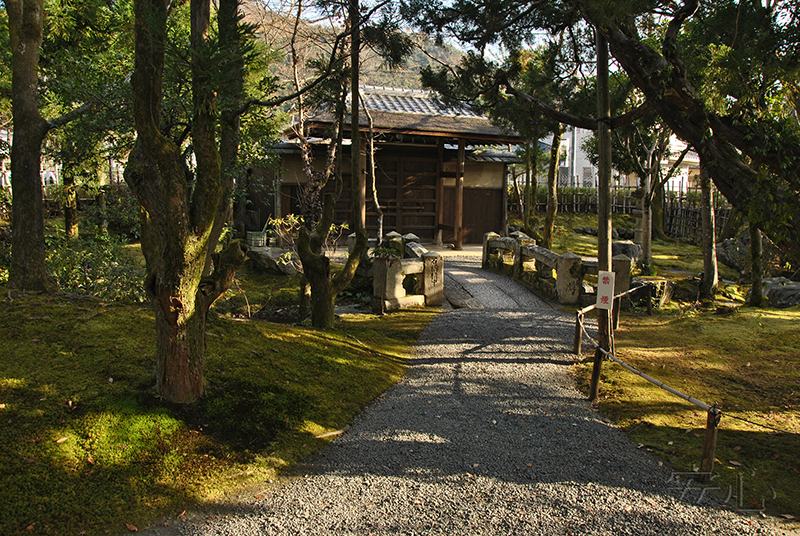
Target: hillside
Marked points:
314	42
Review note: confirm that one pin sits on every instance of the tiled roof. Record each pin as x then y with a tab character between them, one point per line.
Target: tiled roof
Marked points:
411	101
419	113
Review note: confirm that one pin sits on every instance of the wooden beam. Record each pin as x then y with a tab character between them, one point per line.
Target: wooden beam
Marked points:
505	199
440	193
459	219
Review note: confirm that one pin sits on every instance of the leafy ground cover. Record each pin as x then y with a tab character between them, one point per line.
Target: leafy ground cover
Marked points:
86	447
748	363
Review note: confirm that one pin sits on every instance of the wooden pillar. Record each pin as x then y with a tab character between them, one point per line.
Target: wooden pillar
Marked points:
604	202
505	200
458	226
440	193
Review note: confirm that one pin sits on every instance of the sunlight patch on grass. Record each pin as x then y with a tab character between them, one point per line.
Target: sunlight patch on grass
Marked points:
748	363
90	447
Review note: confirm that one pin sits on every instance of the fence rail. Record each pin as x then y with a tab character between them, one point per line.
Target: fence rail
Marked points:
713	413
682	213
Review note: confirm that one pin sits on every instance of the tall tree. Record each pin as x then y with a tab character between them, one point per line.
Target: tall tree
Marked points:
325	286
181	206
667	71
56	58
27	272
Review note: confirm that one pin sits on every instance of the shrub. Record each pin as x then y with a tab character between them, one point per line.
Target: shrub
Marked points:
5	252
98	266
122	213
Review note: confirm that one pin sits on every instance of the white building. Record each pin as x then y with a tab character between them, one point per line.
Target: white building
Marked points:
50	171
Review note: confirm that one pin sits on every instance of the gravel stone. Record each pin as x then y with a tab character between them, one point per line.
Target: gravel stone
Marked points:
485	435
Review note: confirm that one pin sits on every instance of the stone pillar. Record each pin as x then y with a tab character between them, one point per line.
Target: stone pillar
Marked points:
433	278
486	249
522	240
621	266
411	247
394	241
569	278
387	282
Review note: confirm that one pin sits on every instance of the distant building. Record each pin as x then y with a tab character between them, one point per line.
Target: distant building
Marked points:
421	145
50	171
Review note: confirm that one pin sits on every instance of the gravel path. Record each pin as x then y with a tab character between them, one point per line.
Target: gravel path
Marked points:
484	435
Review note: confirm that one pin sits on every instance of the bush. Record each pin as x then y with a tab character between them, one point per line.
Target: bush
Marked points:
5	203
122	214
98	266
5	252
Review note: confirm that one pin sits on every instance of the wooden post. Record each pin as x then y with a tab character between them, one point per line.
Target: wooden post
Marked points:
604	201
458	228
578	333
440	193
710	443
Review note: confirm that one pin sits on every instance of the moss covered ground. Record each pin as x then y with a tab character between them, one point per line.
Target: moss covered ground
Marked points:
87	448
748	363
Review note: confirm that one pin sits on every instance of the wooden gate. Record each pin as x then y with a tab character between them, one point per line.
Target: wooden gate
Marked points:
407	195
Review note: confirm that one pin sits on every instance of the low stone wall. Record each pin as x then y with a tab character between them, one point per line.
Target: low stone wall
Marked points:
391	286
559	277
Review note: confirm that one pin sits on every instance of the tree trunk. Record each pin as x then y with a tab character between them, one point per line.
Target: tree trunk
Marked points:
232	96
304	306
521	209
177	230
657	219
552	189
70	202
757	298
708	286
647	220
27	271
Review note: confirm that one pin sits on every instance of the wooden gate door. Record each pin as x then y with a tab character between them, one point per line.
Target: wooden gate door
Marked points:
407	194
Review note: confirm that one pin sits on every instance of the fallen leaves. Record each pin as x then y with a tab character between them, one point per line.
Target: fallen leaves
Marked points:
60	440
131	528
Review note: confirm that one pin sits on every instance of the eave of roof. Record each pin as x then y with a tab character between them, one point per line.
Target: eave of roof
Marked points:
418	113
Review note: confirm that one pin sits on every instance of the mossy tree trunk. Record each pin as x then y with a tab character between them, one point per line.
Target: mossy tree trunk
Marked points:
757	298
27	271
179	215
708	286
552	189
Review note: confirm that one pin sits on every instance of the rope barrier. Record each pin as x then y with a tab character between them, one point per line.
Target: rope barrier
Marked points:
677	393
650	379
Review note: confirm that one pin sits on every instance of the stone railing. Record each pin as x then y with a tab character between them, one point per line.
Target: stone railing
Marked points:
559	277
405	274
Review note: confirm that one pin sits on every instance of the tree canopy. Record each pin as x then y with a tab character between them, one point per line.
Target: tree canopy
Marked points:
722	75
